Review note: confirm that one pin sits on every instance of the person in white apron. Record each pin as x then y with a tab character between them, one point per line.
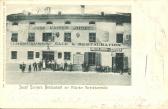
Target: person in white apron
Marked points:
44	64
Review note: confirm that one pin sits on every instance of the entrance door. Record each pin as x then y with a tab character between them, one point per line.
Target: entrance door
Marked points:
119	61
48	55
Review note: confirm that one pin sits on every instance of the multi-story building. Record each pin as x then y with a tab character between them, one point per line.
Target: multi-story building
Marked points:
93	39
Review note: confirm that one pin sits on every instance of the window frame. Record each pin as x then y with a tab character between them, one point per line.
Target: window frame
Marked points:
67	22
14	53
92	38
32	35
32	23
59	55
67	38
30	53
91	58
15	40
92	22
15	23
65	55
118	40
47	37
37	54
49	22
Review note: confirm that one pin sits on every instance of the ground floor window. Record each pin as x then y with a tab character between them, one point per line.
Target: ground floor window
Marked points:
37	54
67	56
13	54
59	55
30	55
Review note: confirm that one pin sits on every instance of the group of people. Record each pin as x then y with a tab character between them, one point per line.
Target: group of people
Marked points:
46	64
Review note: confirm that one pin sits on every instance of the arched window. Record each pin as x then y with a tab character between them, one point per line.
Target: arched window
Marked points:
92	22
49	22
67	22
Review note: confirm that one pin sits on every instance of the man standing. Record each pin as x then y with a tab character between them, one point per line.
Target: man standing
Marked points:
23	67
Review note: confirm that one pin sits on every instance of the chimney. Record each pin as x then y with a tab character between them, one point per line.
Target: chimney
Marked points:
102	13
47	10
59	13
82	9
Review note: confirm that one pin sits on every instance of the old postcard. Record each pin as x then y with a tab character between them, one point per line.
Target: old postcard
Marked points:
90	54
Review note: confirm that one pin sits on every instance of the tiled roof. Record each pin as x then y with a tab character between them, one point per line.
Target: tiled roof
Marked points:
123	17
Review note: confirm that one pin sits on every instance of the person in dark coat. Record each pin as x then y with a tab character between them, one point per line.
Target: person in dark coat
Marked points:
29	68
39	66
65	66
23	67
71	66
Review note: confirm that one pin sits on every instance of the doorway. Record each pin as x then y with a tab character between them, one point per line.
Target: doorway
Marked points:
119	62
48	55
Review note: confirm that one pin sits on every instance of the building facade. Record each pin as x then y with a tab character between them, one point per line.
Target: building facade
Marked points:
77	39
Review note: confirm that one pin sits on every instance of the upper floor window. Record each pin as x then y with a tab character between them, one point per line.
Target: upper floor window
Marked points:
47	37
119	38
119	23
92	37
37	54
31	23
15	23
92	22
49	22
67	22
13	54
31	37
14	37
67	37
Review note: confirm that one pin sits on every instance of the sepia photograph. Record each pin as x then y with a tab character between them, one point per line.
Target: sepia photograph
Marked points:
79	45
88	54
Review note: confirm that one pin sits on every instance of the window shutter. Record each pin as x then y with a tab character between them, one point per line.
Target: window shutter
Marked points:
98	59
86	58
125	63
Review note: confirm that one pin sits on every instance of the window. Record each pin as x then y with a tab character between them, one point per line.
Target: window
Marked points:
14	37
91	58
37	54
32	23
13	54
92	22
15	23
67	37
119	38
31	37
119	23
67	22
59	55
67	56
30	55
49	22
128	37
47	37
92	37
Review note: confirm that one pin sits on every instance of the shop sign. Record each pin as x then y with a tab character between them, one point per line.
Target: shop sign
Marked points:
106	49
63	44
63	28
